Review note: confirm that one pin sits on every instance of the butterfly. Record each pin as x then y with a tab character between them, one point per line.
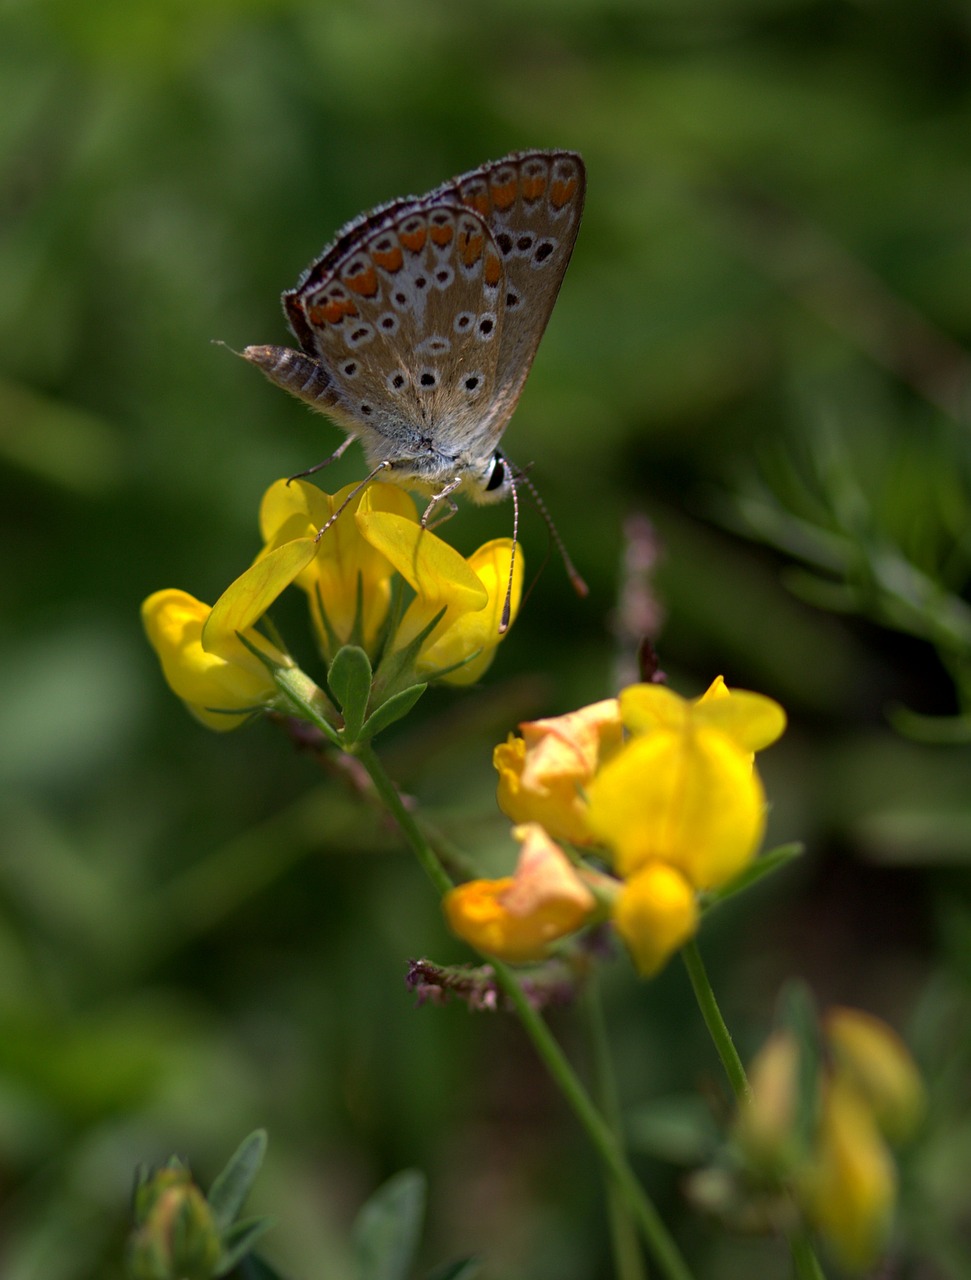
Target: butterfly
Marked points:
419	324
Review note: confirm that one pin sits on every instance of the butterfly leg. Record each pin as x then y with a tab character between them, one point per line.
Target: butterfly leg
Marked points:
436	498
382	466
338	452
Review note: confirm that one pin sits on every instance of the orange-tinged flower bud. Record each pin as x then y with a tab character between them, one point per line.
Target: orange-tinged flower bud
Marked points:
516	917
874	1058
850	1185
542	774
655	912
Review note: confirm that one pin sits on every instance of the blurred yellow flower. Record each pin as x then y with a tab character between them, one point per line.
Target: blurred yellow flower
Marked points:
872	1056
766	1125
655	913
516	917
542	774
849	1186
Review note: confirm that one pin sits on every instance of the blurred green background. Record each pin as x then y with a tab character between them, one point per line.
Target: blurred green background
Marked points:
758	347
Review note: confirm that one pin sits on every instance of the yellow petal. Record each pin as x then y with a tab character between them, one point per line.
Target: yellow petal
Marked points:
692	800
766	1128
246	600
850	1187
571	745
208	683
475	632
655	913
876	1060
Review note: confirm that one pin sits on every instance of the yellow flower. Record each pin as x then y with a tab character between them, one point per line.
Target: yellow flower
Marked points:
873	1057
472	592
683	790
850	1185
543	773
212	679
766	1126
344	563
516	917
656	912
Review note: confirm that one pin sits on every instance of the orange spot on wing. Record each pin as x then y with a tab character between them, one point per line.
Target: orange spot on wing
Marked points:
471	246
332	311
493	270
562	192
442	235
414	241
504	196
479	201
390	260
534	187
365	282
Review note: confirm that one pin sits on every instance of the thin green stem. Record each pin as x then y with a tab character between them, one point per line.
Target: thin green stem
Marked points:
805	1263
410	829
623	1229
655	1233
652	1228
717	1028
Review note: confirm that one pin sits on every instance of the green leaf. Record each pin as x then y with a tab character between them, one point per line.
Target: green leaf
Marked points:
391	710
388	1228
349	678
798	1015
463	1269
231	1187
239	1240
754	872
256	1268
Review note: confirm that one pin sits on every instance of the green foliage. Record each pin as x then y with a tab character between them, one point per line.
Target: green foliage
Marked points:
769	300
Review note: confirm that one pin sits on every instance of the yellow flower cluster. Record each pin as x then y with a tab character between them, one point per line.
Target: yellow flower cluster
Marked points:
663	789
452	621
867	1096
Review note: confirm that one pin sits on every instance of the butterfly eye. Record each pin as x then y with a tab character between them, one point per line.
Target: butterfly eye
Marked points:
497	475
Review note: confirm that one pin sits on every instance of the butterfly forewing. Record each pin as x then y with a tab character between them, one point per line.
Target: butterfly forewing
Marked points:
533	203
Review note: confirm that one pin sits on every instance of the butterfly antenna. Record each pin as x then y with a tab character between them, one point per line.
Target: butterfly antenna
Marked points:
507	607
576	582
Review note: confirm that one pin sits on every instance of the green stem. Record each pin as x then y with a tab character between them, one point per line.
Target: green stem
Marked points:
410	829
656	1236
805	1263
717	1029
652	1228
623	1229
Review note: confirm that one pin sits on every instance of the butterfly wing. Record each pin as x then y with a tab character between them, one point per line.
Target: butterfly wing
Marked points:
532	202
404	312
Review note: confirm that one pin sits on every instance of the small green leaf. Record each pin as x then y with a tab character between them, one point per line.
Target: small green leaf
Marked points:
755	871
239	1240
231	1187
388	1228
798	1015
393	709
463	1269
256	1268
349	678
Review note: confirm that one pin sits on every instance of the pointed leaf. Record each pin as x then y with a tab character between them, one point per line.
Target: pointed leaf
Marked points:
239	1240
463	1269
349	678
755	871
256	1268
231	1187
388	1228
394	708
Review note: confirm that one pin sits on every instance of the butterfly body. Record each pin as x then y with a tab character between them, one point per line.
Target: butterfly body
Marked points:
419	323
